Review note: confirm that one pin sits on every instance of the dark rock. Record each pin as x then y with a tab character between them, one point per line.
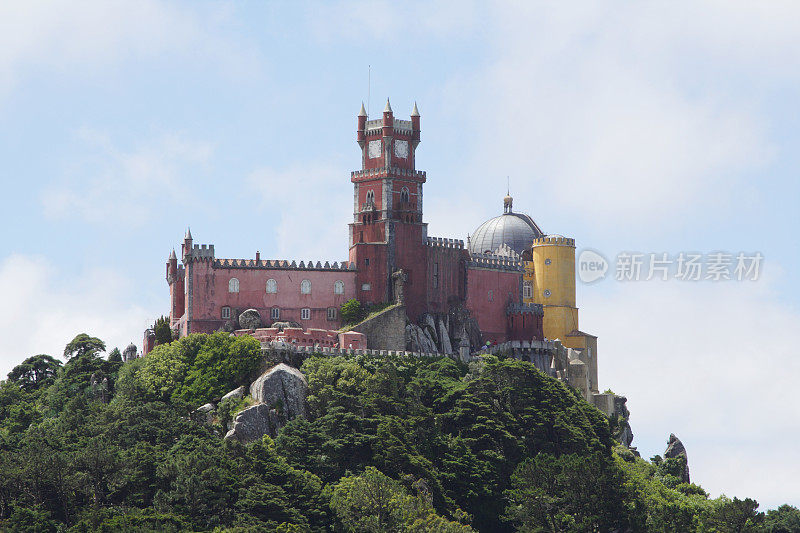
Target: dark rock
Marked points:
285	324
237	394
281	393
675	449
250	319
205	413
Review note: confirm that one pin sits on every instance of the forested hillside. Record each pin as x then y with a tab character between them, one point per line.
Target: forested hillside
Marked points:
390	444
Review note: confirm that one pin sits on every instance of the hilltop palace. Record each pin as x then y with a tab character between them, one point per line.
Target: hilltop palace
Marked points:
510	290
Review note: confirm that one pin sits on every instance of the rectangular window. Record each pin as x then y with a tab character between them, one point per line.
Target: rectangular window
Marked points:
366	261
226	312
491	296
527	290
275	313
305	314
331	313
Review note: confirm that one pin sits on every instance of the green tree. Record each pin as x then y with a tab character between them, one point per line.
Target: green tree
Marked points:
83	344
351	311
784	519
734	516
34	372
115	356
163	331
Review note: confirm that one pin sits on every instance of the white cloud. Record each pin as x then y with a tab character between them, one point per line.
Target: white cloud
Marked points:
125	185
41	312
307	199
714	363
621	114
67	36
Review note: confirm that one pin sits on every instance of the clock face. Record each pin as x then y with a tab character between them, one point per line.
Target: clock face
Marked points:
374	149
401	149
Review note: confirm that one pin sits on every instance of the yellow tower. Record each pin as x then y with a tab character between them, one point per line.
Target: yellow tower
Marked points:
549	279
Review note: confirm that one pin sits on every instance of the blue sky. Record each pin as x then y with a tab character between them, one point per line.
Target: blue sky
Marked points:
629	127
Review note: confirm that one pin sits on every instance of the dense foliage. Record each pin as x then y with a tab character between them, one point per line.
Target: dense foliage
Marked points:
390	444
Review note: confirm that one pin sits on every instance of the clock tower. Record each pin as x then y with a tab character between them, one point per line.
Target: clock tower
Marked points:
387	236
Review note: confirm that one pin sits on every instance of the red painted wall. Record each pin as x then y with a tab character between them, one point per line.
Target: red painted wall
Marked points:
490	311
210	294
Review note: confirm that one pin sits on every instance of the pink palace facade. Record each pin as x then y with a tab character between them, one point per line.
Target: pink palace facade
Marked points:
391	258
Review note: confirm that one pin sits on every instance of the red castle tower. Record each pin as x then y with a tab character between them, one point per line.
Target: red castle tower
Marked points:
387	235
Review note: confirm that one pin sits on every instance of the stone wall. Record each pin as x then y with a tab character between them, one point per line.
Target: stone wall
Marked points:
386	330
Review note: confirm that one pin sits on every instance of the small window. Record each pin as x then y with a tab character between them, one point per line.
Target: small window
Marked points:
370	197
338	287
365	287
226	312
275	313
527	289
305	314
366	261
547	261
404	195
332	313
547	293
436	275
491	296
305	287
233	285
272	286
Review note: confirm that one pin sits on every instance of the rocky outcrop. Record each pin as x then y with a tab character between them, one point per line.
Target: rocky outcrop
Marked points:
205	413
281	396
250	319
676	449
444	338
236	394
419	340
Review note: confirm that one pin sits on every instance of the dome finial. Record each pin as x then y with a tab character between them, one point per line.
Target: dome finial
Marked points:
508	201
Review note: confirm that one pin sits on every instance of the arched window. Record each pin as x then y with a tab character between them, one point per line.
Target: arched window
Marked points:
233	285
404	195
305	287
527	289
338	287
370	197
272	286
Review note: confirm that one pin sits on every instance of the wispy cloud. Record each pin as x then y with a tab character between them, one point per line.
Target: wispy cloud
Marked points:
126	184
42	311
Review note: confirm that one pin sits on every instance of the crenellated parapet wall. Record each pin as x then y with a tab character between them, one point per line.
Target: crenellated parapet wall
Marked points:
200	252
494	262
378	173
441	242
282	264
554	239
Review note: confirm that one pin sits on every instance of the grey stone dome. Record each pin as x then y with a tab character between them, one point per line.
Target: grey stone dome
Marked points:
515	230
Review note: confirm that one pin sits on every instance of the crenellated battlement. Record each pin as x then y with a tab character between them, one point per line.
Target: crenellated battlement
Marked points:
283	264
393	172
494	262
375	127
521	308
201	252
441	242
554	239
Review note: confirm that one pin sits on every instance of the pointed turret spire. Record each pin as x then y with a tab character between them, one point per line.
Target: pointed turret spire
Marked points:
388	108
188	233
415	111
172	254
363	112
